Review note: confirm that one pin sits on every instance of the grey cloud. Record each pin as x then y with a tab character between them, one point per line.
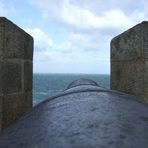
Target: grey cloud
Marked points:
98	6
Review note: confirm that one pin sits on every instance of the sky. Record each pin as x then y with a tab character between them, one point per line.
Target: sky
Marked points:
73	36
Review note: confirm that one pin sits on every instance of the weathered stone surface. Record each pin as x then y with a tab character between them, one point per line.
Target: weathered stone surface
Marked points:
1	36
14	105
28	102
145	39
16	43
1	94
13	42
12	76
1	76
146	81
128	76
131	44
28	74
1	115
90	117
129	56
16	54
28	47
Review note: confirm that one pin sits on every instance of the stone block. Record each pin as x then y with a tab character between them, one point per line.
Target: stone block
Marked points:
28	102
12	76
16	42
28	47
1	115
13	42
16	54
1	36
145	39
129	61
131	44
15	105
1	72
146	76
128	76
28	71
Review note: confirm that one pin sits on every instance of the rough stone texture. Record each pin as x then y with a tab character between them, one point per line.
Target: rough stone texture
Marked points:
16	43
84	116
146	81
13	111
0	112
129	61
1	76
11	76
1	95
28	78
16	49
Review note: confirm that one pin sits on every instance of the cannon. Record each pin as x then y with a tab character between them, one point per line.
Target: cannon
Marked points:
84	115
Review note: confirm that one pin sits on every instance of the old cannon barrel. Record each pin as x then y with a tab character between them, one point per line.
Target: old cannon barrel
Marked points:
84	115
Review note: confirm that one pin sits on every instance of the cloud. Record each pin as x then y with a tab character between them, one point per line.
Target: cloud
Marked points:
42	41
43	48
90	27
83	15
73	55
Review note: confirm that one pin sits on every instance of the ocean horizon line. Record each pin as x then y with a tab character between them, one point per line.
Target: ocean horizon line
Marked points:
75	73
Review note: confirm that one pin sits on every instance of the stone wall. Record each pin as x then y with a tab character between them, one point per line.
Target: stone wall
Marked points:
129	61
16	54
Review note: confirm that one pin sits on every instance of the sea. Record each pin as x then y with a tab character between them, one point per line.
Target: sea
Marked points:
47	85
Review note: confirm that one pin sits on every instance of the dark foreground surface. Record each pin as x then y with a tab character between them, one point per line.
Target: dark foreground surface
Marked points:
85	116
